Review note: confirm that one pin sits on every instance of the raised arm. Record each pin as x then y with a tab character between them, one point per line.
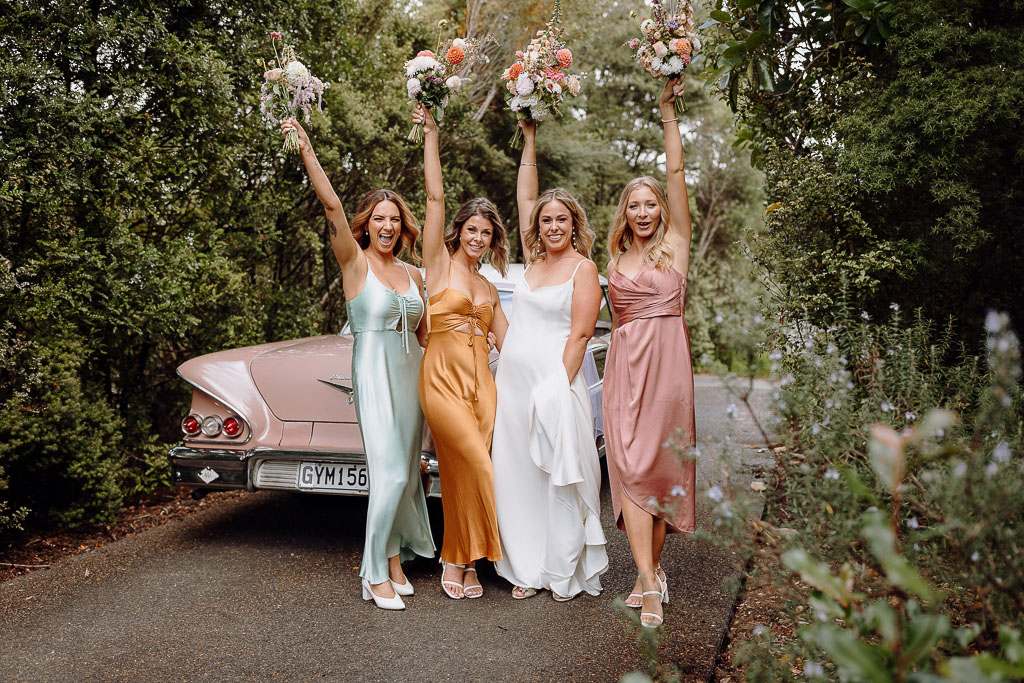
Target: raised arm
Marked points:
346	249
680	229
435	254
527	185
586	304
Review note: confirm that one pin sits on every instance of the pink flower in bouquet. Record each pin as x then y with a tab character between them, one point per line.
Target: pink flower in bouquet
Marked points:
564	57
573	84
683	47
554	74
275	35
634	44
424	53
660	49
512	73
273	75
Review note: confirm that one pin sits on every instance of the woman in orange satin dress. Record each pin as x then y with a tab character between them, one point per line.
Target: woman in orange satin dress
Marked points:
457	391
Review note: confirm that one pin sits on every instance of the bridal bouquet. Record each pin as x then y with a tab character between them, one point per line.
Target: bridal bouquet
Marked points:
431	80
537	81
667	44
289	89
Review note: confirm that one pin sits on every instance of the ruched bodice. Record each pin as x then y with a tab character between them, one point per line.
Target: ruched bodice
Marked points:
651	293
451	309
378	308
648	396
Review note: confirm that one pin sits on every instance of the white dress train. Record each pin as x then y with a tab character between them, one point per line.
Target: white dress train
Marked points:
547	476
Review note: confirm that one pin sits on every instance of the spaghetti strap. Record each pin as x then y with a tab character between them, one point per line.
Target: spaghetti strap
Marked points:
408	273
582	261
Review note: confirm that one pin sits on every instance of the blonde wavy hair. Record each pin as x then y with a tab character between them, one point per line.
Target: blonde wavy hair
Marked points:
497	255
583	235
658	252
410	227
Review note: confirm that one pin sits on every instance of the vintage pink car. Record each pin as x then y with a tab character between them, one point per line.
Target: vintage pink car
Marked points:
282	415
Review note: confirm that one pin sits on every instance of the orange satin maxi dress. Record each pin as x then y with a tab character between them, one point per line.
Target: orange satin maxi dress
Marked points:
458	398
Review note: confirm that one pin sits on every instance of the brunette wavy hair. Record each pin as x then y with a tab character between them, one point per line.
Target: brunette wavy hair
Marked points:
410	227
484	208
583	235
658	252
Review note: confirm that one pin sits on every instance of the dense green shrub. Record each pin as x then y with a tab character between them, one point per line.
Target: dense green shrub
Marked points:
902	418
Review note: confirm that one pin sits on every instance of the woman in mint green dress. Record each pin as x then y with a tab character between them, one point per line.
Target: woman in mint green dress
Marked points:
386	312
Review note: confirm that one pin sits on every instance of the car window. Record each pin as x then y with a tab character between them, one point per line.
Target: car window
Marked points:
600	354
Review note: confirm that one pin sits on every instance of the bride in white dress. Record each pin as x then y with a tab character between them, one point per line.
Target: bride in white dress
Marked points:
547	476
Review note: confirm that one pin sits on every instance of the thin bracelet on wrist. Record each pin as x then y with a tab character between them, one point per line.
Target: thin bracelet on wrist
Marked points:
523	163
670	120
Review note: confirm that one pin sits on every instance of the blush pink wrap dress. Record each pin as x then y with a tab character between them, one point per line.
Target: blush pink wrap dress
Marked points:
648	396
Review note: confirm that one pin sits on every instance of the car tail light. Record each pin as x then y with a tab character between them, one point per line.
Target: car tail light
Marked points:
191	425
212	425
232	427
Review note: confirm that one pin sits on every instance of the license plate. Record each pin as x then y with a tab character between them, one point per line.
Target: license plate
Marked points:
330	476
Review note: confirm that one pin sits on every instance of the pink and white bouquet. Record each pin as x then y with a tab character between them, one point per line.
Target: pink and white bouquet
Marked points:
537	81
289	89
431	80
667	43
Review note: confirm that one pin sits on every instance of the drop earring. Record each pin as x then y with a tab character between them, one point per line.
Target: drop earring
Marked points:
574	239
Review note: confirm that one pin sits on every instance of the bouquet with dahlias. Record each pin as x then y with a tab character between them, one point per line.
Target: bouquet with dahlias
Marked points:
537	81
667	43
288	89
431	80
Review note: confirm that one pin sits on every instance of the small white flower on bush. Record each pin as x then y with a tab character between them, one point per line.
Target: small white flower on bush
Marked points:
960	469
975	556
912	523
815	428
715	494
886	407
910	415
832	473
995	321
831	348
894	306
759	629
865	315
809	344
718	318
813	669
991	470
1001	453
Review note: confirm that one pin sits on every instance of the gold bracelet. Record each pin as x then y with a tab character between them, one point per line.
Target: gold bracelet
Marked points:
670	120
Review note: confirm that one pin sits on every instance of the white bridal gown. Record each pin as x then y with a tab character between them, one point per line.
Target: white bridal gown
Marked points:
547	476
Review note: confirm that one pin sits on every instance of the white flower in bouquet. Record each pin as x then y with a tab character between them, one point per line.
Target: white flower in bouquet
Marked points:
672	66
273	75
660	49
296	72
524	84
418	65
552	87
573	85
646	25
453	84
459	43
413	86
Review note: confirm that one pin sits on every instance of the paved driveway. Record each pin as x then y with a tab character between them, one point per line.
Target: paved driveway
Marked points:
265	587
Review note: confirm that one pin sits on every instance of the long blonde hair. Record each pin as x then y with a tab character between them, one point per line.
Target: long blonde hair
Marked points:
657	252
582	234
410	228
484	208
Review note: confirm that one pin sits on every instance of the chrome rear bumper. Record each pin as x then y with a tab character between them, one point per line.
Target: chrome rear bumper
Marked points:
267	468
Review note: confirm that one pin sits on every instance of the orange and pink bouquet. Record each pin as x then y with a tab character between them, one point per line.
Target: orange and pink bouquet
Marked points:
432	78
538	80
667	43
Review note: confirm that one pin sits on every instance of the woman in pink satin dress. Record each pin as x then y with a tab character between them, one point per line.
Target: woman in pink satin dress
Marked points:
648	383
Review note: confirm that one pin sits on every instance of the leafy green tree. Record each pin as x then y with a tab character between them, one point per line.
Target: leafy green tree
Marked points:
889	133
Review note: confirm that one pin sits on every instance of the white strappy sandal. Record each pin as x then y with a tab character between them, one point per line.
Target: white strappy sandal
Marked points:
661	619
465	591
446	583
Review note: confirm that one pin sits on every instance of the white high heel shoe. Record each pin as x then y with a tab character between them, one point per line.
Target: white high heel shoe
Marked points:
384	603
403	588
664	584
